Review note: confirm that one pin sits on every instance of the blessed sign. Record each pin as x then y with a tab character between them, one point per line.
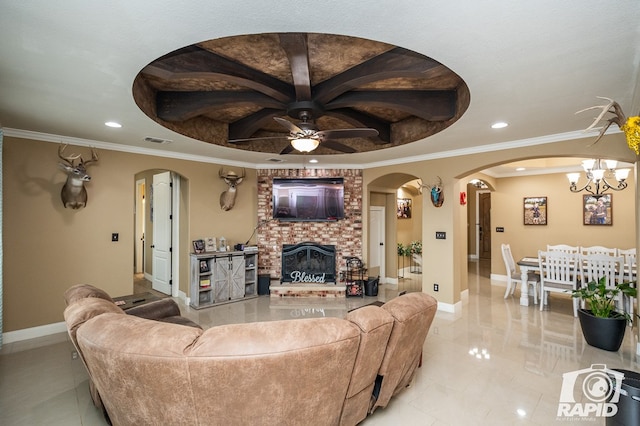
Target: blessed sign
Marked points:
303	277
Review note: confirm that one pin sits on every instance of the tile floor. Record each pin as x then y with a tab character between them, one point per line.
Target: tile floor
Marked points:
527	353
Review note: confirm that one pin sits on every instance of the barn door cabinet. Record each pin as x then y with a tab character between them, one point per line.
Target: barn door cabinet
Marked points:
221	277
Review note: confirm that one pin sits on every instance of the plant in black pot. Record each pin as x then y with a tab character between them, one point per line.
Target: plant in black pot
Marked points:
603	326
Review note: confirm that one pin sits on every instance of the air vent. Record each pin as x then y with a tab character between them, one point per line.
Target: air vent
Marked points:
157	140
275	160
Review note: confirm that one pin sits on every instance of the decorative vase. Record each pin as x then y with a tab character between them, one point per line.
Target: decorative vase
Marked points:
602	333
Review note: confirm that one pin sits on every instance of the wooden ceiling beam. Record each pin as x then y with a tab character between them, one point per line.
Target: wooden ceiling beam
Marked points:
181	106
247	126
295	46
431	105
396	63
195	61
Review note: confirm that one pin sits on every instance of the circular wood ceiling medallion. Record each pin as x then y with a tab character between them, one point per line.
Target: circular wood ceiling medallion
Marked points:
258	92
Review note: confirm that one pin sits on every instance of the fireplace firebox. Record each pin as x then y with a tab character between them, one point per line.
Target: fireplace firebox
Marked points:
308	262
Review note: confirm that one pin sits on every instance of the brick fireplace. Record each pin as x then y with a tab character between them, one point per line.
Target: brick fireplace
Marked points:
344	234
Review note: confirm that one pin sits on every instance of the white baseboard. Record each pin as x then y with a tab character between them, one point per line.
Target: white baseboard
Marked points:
34	332
455	308
500	278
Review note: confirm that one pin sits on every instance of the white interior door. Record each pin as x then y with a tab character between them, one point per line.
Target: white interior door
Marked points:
139	235
162	228
376	239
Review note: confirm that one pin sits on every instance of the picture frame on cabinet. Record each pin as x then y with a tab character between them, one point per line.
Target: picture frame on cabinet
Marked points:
198	246
210	244
204	266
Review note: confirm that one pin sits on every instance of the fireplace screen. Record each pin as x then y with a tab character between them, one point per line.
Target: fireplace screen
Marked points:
308	263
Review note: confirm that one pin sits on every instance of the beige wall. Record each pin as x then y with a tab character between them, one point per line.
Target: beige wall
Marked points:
48	248
446	261
564	218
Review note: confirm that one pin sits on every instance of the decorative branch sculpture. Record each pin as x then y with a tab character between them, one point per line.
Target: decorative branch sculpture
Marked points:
630	126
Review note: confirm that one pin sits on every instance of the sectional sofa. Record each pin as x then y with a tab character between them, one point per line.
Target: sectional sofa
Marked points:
321	371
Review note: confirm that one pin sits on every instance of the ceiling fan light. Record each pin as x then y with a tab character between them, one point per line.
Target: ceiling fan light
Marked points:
305	144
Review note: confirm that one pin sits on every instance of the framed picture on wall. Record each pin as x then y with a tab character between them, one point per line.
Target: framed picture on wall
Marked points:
404	208
597	210
535	210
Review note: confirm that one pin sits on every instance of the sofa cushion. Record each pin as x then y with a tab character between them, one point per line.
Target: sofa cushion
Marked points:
375	326
82	310
413	314
83	291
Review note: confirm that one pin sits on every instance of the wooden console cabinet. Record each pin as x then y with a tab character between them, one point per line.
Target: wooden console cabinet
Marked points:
222	277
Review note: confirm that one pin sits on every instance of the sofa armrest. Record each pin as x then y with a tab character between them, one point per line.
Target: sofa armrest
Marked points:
156	310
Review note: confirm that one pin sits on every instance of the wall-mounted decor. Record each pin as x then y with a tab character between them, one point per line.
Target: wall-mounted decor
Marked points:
404	208
535	210
436	195
228	197
597	210
74	194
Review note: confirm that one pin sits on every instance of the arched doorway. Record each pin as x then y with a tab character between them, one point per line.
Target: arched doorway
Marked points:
159	222
395	222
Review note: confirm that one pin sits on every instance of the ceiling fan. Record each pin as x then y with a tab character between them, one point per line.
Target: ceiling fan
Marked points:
305	136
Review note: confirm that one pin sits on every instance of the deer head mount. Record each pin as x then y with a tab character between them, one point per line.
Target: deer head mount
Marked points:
630	126
435	192
74	194
228	197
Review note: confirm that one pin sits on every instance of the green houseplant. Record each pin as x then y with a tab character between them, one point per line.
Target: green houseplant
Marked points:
602	325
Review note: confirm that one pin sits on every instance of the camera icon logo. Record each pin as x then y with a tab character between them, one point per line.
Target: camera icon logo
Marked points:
599	385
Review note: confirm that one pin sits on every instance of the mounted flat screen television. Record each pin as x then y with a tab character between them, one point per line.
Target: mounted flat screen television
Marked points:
308	199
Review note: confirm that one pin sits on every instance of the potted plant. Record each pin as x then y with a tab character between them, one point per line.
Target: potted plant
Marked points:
602	325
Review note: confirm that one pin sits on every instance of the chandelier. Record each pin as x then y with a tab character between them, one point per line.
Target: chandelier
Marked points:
597	172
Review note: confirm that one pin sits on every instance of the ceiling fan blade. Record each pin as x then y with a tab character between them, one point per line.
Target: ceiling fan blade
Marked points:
289	125
257	138
287	150
347	133
337	146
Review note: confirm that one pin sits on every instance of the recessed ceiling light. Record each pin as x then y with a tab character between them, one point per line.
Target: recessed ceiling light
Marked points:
113	124
499	125
313	160
520	169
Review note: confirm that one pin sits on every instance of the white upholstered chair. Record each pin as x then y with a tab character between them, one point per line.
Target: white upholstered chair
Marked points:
557	274
513	277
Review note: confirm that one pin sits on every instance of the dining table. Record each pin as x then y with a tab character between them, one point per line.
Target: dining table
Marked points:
531	265
527	265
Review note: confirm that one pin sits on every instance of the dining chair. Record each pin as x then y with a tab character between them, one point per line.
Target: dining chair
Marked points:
597	266
557	275
630	273
563	247
598	250
630	263
513	277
